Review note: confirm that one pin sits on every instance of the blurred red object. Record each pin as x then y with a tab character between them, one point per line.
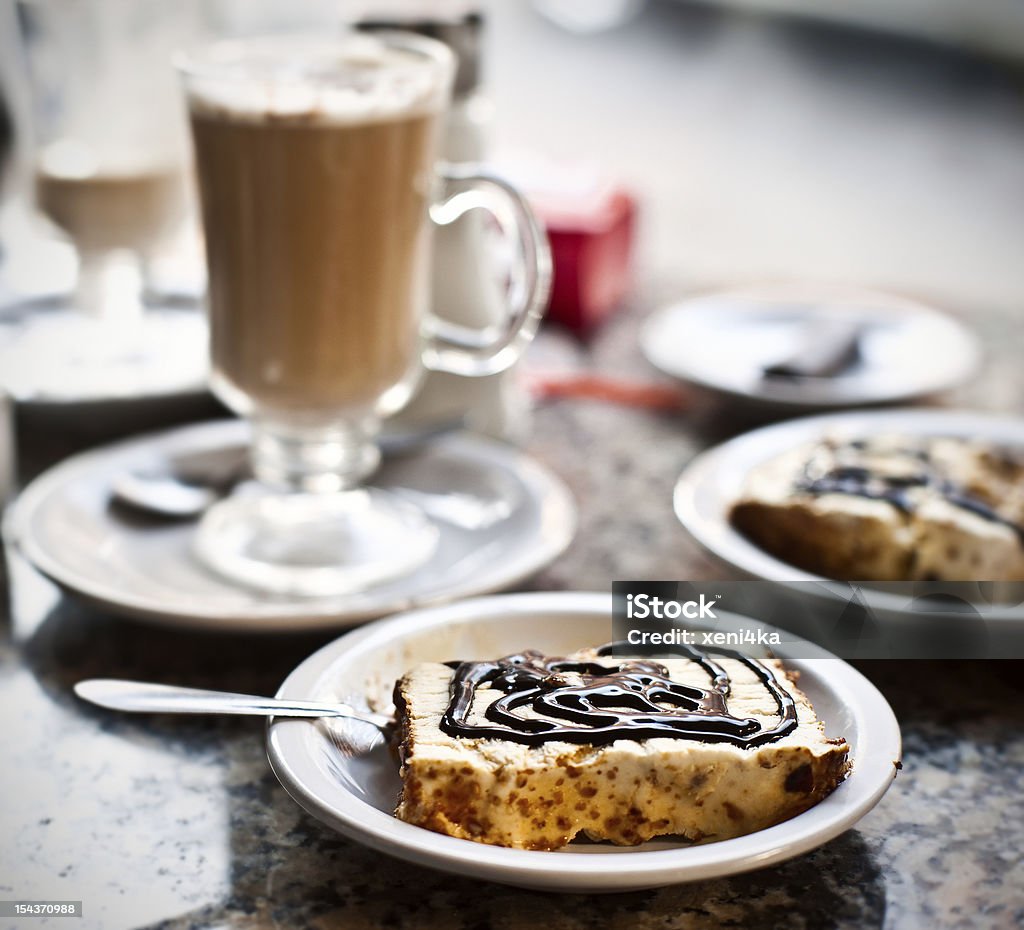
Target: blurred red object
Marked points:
591	251
591	223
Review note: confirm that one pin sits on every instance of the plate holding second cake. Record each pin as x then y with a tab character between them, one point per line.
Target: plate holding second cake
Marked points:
882	496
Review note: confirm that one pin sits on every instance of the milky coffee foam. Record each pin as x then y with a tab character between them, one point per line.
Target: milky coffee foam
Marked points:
304	81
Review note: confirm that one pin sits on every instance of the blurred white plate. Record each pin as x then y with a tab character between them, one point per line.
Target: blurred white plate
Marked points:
723	341
502	517
346	776
712	483
53	357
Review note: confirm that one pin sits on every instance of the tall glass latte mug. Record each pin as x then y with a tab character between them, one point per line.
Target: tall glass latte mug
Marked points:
319	182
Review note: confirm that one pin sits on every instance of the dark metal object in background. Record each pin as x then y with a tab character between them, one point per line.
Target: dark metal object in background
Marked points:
6	131
461	35
6	139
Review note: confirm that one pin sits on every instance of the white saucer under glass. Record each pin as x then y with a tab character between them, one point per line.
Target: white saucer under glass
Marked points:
500	516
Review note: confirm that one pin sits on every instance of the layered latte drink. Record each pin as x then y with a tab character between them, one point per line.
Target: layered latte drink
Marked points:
319	185
314	197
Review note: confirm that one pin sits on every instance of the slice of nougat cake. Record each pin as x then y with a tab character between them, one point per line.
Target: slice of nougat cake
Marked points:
530	752
890	508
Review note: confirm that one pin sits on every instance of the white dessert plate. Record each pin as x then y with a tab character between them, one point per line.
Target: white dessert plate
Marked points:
346	776
55	358
723	341
502	516
712	483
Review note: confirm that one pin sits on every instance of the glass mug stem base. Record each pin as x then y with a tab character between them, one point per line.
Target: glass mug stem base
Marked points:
315	545
316	460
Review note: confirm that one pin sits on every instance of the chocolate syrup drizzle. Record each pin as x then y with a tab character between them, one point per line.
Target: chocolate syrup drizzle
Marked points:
859	481
626	700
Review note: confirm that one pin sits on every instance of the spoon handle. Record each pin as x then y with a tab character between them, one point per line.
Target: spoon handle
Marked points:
142	697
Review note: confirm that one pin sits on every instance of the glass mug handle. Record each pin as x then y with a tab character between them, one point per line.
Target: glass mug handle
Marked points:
464	350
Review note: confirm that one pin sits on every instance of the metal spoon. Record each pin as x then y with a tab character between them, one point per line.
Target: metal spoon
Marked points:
193	483
828	348
144	698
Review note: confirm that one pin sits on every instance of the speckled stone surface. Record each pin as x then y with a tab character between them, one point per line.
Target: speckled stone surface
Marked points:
179	823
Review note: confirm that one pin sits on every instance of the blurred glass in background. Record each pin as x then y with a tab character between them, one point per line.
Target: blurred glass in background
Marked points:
102	197
110	149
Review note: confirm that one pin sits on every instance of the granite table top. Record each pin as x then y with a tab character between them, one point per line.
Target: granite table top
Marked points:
179	823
